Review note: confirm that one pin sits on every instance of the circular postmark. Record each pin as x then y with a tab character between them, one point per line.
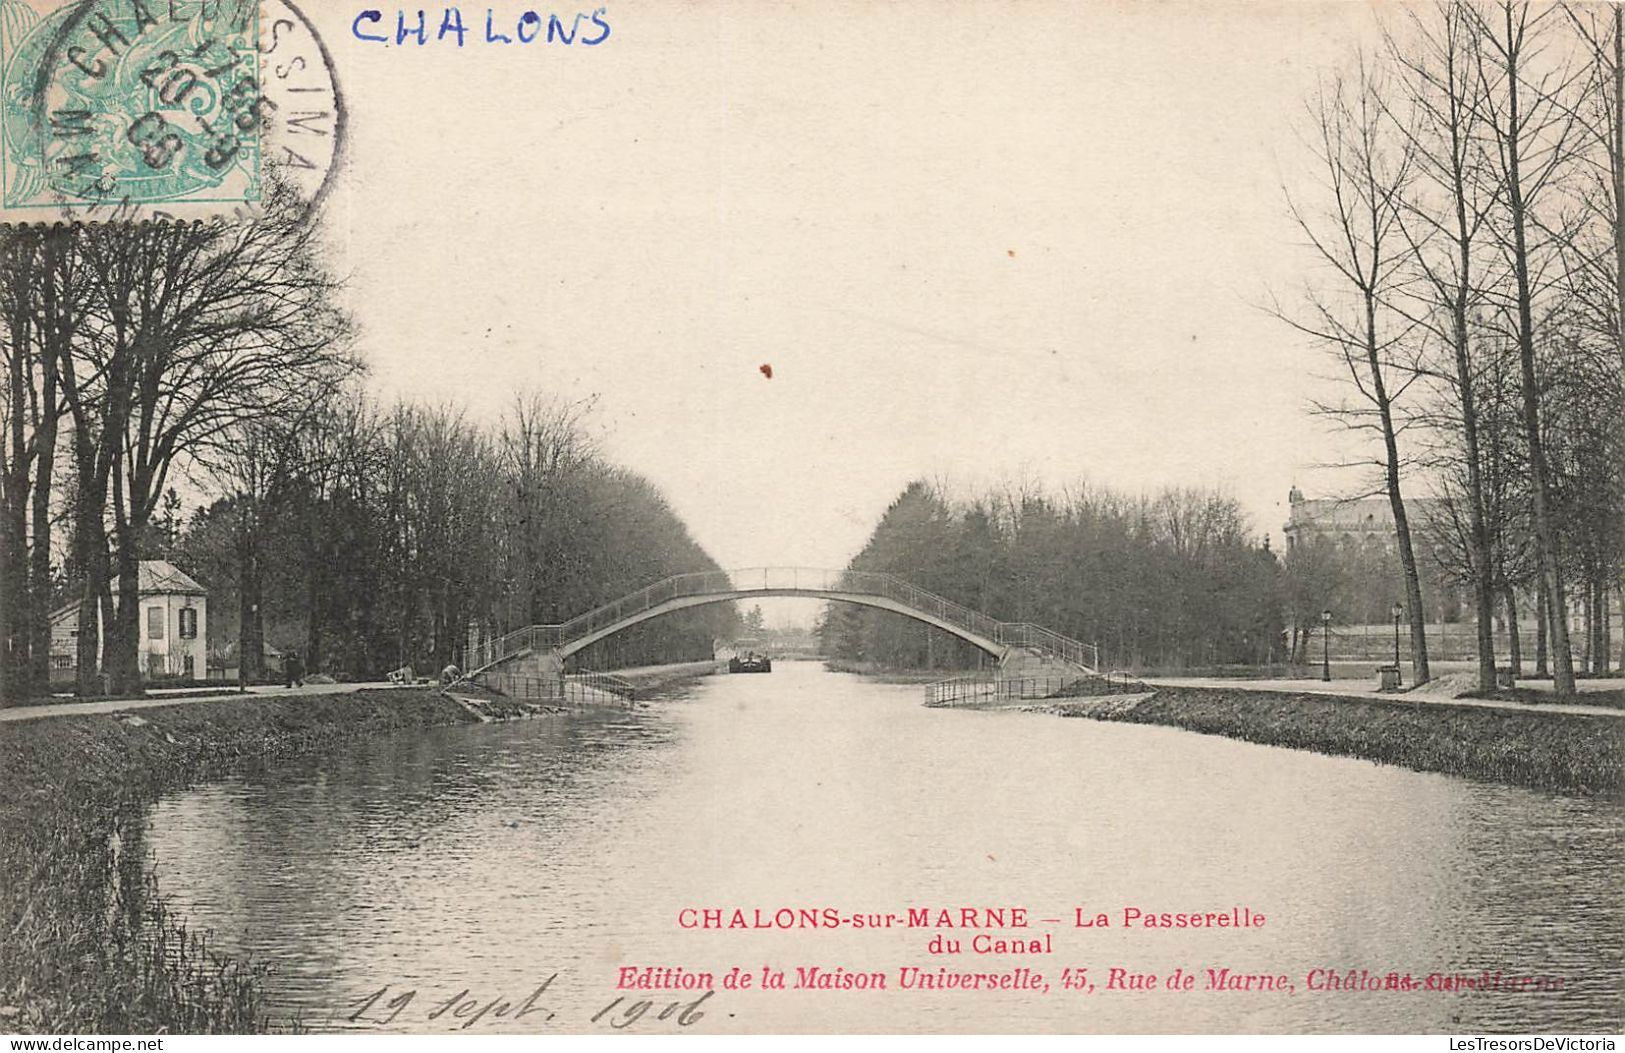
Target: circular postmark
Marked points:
188	109
305	126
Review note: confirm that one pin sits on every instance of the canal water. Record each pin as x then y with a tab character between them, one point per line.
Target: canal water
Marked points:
457	870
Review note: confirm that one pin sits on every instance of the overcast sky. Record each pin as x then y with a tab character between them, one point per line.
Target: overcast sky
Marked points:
971	239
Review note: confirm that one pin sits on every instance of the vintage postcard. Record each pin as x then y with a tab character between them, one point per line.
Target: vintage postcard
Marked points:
787	517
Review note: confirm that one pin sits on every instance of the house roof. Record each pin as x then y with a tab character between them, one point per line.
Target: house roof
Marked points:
160	575
156	577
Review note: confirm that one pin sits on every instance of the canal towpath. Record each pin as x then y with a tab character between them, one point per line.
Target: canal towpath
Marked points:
653	677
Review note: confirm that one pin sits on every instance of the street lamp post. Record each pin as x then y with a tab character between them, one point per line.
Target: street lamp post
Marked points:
1398	612
1326	646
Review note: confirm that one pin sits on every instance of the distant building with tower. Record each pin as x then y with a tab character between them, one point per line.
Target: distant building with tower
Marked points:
1363	521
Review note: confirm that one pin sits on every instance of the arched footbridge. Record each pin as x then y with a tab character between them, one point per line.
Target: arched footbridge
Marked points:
1002	640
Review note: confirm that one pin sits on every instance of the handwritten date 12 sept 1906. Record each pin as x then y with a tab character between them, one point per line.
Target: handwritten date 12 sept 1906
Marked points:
465	1009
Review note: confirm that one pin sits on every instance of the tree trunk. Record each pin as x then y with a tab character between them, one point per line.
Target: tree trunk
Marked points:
1616	149
1599	624
1396	502
15	462
1478	535
313	633
1478	539
1543	609
1515	641
15	603
1545	534
104	603
1588	600
250	615
53	335
1617	164
124	641
13	607
38	628
1421	674
123	648
90	557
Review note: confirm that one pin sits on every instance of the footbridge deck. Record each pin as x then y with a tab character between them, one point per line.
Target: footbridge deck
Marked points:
865	588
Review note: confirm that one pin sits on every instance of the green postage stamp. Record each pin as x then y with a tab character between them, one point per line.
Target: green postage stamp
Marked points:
127	109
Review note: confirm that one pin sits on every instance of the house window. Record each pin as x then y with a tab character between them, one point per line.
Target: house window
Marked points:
155	623
188	623
188	667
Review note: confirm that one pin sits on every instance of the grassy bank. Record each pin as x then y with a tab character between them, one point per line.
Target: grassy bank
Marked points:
1534	697
88	943
1579	755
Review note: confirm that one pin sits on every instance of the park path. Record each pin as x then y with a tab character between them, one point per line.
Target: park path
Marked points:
1354	689
158	698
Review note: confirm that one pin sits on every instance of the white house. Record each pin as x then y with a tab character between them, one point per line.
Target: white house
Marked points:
174	626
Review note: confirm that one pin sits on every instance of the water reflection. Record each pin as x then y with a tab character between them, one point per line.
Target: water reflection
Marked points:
489	858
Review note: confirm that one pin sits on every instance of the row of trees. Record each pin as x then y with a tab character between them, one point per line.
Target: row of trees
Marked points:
371	537
134	354
1469	281
1176	579
130	351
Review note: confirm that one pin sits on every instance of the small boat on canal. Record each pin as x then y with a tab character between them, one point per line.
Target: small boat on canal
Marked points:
750	662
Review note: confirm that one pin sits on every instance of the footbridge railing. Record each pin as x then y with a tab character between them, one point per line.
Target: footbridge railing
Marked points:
577	688
981	689
783	581
976	690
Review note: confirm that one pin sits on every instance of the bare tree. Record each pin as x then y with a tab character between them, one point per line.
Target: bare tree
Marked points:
96	377
543	448
217	324
28	415
330	484
1531	136
1359	236
1311	576
1595	246
256	470
1594	243
1444	221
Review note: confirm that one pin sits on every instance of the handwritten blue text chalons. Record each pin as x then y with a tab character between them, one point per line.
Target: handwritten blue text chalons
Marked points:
420	28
